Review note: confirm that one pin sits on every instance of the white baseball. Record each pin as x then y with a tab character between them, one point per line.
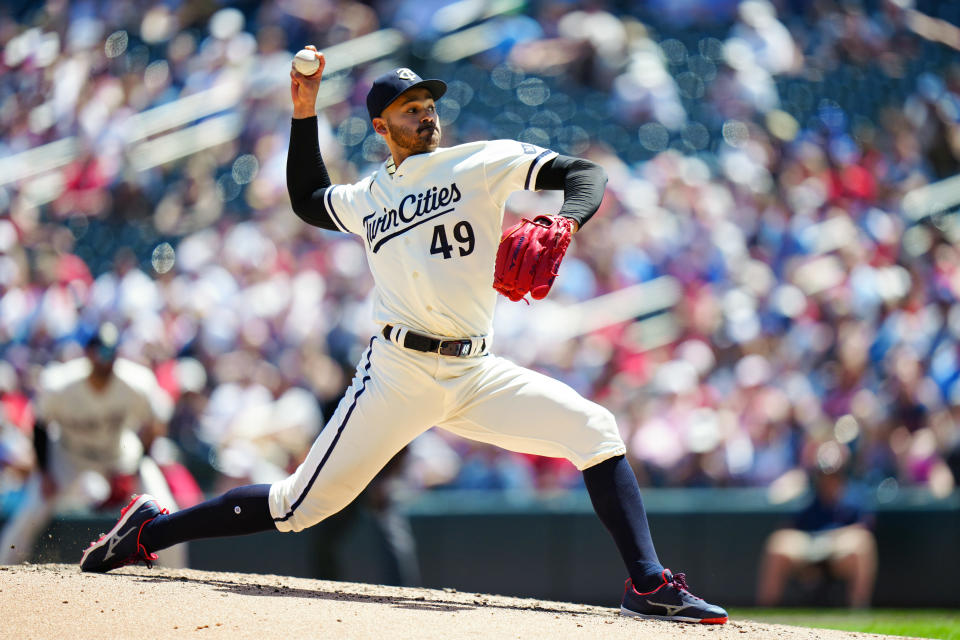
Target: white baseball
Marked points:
306	62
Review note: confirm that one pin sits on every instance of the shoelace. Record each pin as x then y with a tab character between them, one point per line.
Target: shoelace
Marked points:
680	580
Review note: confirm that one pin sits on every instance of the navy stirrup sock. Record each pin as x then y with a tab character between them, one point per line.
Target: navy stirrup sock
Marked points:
615	495
237	512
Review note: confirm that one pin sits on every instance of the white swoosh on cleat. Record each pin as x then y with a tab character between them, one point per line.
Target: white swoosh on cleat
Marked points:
671	610
114	541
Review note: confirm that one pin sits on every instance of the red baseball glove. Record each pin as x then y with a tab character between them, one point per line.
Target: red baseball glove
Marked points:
529	256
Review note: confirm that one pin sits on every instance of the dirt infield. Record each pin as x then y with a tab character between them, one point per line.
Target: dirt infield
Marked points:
58	601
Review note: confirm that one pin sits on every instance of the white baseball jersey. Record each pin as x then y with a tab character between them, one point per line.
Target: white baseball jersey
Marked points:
431	231
92	422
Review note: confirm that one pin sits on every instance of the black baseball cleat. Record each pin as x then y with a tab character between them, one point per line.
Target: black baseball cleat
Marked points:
671	601
122	545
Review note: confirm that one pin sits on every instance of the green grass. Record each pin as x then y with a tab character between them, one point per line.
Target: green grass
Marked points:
943	624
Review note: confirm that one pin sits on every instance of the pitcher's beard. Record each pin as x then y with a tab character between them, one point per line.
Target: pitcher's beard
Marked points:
415	141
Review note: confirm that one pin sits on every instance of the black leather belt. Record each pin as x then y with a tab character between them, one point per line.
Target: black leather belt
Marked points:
420	342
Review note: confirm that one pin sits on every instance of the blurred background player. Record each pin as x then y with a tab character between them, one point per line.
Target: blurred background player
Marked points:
830	537
96	417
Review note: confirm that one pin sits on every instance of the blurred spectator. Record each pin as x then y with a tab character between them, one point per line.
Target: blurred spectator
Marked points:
829	538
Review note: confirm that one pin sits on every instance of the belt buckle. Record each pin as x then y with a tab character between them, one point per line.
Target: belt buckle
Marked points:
457	348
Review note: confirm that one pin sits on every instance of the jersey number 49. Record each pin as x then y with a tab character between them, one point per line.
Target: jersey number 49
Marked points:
462	233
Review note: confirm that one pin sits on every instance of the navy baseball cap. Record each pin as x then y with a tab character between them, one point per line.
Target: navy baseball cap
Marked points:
390	85
104	342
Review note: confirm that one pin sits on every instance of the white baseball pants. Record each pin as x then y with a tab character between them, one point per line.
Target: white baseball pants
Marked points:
399	393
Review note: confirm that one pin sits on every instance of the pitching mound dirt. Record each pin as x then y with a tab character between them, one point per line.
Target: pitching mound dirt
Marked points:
58	601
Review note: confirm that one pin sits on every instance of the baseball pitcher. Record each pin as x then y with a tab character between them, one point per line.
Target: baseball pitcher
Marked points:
430	220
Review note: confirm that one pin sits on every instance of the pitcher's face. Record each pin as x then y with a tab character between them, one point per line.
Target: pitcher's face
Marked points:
411	122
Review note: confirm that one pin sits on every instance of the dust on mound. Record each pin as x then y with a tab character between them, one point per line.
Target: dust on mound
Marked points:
58	601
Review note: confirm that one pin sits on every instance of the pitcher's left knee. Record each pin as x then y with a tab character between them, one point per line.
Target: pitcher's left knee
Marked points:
603	438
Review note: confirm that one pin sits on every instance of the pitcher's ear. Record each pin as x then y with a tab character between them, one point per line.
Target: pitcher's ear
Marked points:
380	126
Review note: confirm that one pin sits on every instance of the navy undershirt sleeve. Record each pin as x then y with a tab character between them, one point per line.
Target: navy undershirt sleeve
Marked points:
307	178
582	182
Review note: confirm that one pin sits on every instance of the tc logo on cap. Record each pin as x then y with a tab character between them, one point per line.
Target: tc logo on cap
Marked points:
406	74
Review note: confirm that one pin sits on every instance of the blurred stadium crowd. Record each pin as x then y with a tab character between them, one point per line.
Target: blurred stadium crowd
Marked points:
759	157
